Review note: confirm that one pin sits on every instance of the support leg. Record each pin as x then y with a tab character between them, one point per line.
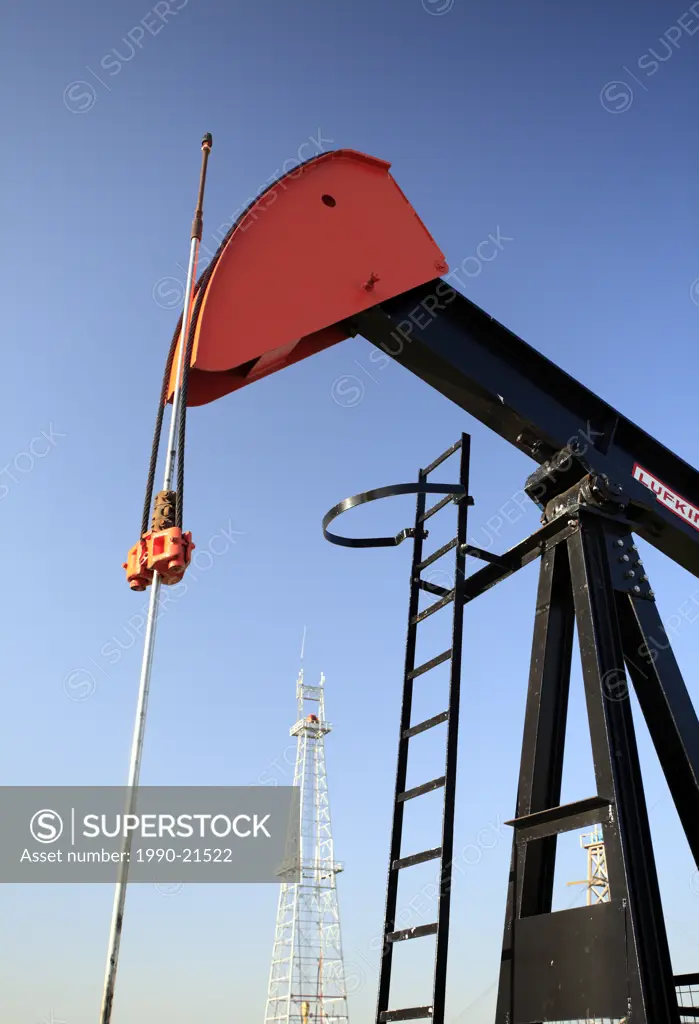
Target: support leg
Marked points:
532	867
666	706
630	860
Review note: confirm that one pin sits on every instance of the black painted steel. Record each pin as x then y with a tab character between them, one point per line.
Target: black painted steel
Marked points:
384	991
451	490
447	781
617	962
444	905
612	959
530	889
628	846
666	705
497	377
555	974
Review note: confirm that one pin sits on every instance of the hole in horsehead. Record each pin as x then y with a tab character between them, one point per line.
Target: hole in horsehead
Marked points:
329	200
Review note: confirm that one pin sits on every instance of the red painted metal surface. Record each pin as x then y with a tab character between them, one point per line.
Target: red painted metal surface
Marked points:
167	552
330	239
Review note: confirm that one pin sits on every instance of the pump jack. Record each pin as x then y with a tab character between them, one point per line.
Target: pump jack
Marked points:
351	257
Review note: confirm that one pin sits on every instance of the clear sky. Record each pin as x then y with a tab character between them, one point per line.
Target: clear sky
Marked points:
556	126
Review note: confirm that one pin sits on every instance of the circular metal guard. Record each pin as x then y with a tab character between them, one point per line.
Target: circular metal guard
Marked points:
453	490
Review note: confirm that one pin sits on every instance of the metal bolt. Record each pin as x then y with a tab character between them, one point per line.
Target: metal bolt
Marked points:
637	589
624	558
630	574
633	548
619	543
639	562
651	594
644	579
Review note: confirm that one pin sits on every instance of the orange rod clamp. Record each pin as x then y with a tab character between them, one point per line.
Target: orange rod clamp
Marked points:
167	552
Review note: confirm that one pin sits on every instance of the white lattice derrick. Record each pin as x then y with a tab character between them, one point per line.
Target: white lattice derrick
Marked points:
308	928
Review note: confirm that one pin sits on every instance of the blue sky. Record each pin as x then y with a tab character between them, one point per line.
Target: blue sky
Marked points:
569	130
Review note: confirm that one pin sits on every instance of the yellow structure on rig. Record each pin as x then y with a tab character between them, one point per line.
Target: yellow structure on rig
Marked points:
597	886
597	881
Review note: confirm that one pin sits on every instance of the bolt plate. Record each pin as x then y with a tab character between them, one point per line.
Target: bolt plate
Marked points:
627	568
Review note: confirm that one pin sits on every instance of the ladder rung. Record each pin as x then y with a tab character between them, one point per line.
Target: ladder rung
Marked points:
412	933
435	508
437	554
427	724
414	1013
431	588
441	458
426	787
440	659
417	858
425	614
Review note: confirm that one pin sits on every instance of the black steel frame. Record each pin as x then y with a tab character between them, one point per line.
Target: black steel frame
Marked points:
601	479
444	852
610	960
470	358
687	986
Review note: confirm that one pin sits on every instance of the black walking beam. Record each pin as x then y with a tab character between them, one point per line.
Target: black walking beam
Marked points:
473	360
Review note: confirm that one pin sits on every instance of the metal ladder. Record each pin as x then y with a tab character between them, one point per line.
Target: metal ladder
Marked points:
447	781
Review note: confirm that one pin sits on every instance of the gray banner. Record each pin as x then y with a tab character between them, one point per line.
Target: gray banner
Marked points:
167	834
